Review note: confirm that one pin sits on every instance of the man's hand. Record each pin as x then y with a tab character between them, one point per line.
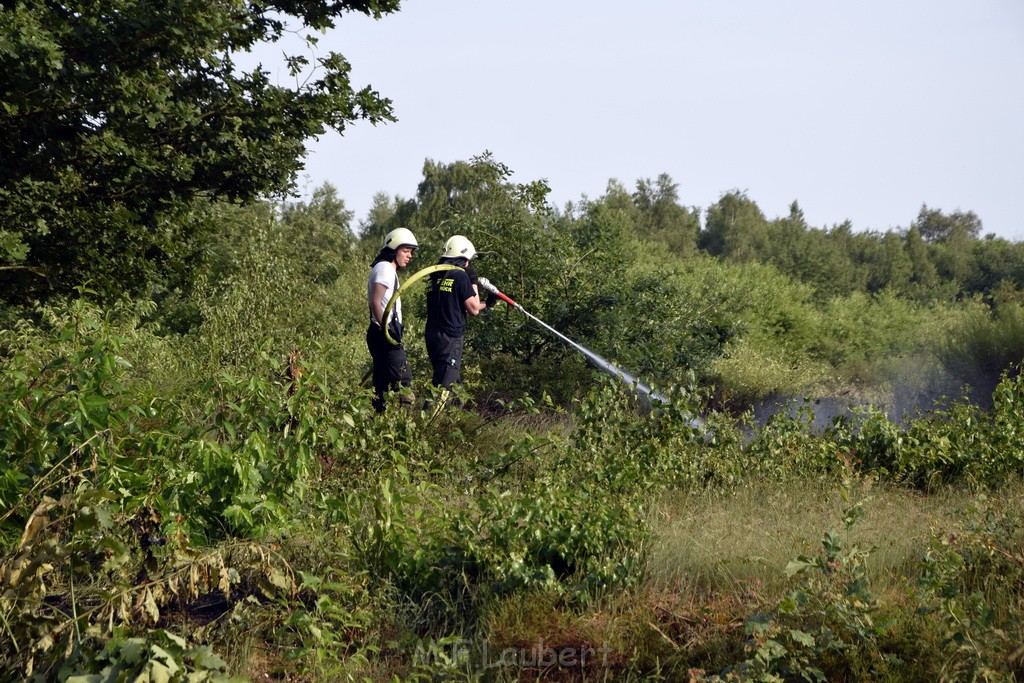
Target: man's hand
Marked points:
492	292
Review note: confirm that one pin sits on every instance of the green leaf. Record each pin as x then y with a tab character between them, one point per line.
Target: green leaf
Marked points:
132	650
802	637
801	564
278	579
95	408
205	658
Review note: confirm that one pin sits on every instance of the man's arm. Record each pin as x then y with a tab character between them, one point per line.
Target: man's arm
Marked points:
473	305
471	302
376	297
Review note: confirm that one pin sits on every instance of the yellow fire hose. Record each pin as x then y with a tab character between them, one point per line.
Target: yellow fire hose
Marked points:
391	304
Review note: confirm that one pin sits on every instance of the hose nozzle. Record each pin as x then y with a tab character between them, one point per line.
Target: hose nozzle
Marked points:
485	284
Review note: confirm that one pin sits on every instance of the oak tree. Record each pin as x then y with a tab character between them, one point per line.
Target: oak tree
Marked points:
118	117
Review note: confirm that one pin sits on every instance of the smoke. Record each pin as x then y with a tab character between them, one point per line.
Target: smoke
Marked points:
915	386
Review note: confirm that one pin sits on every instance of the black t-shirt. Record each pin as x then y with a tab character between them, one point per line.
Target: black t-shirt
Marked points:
446	292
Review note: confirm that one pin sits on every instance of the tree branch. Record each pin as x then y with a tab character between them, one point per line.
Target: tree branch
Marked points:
34	271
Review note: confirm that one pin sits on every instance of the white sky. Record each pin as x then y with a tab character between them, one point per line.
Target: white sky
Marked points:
858	110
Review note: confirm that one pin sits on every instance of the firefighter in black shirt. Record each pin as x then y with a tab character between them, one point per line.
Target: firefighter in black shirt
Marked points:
451	294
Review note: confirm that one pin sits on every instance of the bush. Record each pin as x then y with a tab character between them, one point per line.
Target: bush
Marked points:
942	446
972	584
985	344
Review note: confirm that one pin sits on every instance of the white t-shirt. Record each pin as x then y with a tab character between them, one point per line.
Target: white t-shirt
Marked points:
384	273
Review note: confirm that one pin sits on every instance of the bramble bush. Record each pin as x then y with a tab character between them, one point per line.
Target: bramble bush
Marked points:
827	627
942	446
972	585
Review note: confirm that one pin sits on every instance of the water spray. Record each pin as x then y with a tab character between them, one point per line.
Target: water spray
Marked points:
597	360
483	283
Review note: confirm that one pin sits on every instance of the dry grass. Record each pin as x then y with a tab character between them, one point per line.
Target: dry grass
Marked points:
719	540
716	559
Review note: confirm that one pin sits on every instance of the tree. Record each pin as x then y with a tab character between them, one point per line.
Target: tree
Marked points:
386	213
935	226
319	233
608	228
735	228
453	196
664	218
788	242
118	116
886	262
998	264
953	237
813	256
924	278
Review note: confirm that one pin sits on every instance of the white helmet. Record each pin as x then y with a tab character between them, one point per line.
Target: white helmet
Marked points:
400	237
458	246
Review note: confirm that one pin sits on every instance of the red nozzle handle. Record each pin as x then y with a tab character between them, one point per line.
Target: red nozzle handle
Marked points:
486	284
506	299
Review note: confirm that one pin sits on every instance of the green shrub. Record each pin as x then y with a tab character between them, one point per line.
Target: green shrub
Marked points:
826	628
972	584
555	536
986	343
789	446
942	446
157	655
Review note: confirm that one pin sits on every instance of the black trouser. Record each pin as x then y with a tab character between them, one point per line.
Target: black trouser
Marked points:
446	358
390	366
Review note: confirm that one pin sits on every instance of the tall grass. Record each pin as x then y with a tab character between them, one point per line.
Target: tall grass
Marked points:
985	344
718	540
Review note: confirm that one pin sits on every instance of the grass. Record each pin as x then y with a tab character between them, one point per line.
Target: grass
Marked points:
719	539
716	558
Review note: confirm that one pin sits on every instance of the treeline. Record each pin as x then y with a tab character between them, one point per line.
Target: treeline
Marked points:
722	298
939	256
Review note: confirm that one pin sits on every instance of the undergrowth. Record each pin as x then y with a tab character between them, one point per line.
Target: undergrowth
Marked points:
261	521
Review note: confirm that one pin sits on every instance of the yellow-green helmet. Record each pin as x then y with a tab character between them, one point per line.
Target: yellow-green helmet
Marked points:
458	246
400	237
